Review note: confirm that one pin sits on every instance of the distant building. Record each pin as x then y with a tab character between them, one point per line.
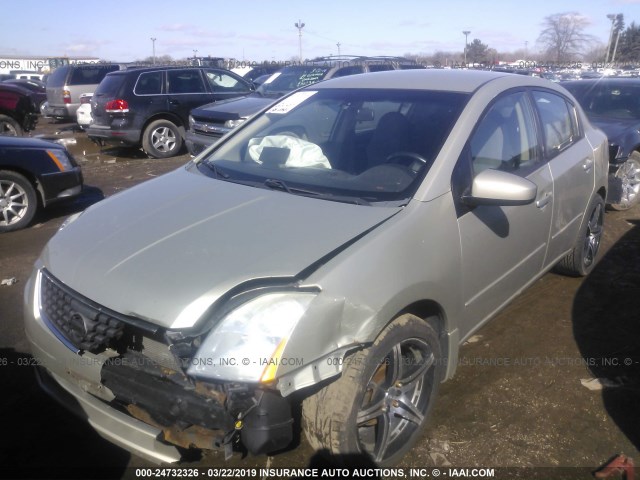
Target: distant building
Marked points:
13	64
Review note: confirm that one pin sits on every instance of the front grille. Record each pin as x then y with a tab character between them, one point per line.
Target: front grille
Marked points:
81	322
210	129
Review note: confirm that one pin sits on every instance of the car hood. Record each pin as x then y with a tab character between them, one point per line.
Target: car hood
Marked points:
615	128
232	109
166	250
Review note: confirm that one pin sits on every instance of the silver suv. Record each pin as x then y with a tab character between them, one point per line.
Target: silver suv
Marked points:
335	249
67	83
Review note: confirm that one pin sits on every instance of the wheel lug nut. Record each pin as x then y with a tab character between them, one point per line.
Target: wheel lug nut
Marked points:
395	404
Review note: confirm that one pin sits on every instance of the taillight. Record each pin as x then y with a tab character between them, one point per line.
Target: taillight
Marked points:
66	96
117	106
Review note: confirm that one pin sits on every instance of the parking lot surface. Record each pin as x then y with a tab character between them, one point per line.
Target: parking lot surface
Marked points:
550	387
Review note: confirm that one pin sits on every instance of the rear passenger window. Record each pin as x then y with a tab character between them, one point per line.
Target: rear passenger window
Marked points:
185	81
90	75
149	83
505	138
558	121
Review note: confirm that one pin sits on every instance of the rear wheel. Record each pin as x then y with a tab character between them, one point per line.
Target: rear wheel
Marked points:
162	139
581	260
379	405
18	201
9	127
629	173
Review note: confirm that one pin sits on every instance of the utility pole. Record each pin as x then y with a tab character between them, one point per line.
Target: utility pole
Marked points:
611	17
153	43
300	26
466	37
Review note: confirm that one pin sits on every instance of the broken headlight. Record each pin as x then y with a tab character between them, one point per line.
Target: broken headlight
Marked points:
249	341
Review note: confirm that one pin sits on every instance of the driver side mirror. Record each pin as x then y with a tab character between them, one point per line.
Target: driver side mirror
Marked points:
495	187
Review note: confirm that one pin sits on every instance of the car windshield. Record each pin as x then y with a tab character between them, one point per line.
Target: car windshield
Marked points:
604	99
290	78
360	146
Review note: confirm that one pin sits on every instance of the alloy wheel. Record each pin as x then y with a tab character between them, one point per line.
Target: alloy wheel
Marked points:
14	203
396	399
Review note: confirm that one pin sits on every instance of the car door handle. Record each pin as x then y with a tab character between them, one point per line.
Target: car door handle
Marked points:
587	164
174	102
544	200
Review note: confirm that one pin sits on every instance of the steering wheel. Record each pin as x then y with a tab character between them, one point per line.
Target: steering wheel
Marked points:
411	160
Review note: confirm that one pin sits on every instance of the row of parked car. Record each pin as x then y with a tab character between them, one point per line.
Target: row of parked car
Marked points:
163	108
150	107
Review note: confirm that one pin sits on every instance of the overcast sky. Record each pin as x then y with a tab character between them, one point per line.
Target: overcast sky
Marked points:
265	30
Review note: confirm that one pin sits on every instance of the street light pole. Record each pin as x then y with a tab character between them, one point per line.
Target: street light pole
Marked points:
338	45
611	17
153	43
299	26
466	36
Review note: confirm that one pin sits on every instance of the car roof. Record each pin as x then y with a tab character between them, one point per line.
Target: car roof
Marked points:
465	81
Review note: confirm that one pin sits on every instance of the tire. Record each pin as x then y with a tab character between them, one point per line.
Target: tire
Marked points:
629	173
18	201
162	139
9	127
582	258
375	410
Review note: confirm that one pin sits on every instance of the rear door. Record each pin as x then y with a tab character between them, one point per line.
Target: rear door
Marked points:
570	158
186	89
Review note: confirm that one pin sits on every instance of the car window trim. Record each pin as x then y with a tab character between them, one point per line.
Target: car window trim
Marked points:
576	124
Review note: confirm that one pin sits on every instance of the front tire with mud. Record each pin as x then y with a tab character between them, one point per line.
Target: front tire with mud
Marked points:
379	405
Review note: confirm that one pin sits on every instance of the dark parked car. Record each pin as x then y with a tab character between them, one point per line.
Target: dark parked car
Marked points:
150	106
38	87
18	110
33	172
613	105
209	122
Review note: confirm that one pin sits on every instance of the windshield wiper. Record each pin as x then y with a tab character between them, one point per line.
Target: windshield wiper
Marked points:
216	171
275	183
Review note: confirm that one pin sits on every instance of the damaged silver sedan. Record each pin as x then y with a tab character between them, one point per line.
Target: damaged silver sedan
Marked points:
335	250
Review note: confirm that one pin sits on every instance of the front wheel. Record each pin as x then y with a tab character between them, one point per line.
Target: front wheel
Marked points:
582	258
379	405
162	139
18	201
9	127
629	174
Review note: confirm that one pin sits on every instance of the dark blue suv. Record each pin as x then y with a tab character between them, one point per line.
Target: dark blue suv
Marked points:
149	107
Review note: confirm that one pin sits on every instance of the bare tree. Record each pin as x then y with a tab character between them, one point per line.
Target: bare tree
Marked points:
563	36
